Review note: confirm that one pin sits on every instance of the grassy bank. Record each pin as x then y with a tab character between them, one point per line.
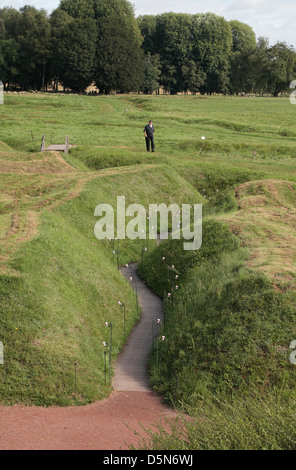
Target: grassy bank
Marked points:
59	284
231	314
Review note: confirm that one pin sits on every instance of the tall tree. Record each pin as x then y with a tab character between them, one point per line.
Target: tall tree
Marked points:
59	20
119	57
2	29
9	64
11	19
75	53
259	61
281	67
243	48
147	26
9	47
35	47
173	36
193	77
119	54
212	43
152	71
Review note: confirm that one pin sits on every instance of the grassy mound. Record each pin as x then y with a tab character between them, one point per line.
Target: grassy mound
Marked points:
59	284
99	158
254	423
266	222
227	328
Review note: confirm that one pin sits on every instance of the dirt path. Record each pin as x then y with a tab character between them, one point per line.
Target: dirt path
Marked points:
107	425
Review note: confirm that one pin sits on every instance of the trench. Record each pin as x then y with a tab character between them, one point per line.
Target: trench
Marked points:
131	366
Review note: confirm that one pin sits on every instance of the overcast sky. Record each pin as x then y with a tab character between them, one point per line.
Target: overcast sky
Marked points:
273	19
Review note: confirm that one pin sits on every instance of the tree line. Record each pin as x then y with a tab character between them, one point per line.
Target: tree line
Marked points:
102	42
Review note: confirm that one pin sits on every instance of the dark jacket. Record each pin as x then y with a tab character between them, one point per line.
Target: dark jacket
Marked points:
149	131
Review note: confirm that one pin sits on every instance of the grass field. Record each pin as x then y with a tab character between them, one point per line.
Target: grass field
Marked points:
233	317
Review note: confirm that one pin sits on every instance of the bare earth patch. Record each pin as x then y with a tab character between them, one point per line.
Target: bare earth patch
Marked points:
112	424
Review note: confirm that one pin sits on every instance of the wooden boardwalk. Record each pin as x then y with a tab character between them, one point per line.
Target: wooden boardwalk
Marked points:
57	148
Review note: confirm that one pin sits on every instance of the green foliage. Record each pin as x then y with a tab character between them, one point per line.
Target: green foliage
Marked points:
147	26
46	322
217	188
249	423
78	8
227	330
34	41
59	21
152	71
212	42
173	40
119	57
9	51
107	43
76	51
216	240
193	77
118	64
11	19
242	77
243	36
281	67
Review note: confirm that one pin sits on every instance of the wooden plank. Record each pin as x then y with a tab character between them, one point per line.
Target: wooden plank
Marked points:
58	148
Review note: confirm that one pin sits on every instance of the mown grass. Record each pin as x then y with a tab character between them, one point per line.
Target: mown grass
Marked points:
64	285
229	323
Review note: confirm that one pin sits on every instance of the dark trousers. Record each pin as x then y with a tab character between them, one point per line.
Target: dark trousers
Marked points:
150	140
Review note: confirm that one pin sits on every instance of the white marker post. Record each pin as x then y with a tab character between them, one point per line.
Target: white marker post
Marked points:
293	354
1	354
293	94
1	93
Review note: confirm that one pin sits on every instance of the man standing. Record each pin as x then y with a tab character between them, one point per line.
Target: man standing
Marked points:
149	135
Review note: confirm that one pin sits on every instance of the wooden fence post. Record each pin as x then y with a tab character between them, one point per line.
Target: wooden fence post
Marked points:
43	143
67	144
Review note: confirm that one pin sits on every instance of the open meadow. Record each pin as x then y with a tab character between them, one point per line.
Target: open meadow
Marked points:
232	317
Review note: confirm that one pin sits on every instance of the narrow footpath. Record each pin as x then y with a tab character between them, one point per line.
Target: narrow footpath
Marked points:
111	424
130	373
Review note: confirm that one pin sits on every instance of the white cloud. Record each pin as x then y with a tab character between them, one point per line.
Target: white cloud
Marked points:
48	5
270	18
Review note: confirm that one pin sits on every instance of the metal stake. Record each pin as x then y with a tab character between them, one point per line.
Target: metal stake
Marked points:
75	364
